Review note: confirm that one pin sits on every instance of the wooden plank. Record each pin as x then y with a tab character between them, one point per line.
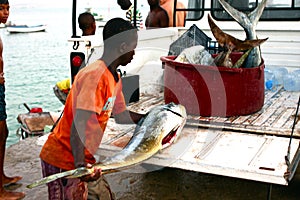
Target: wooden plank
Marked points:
274	118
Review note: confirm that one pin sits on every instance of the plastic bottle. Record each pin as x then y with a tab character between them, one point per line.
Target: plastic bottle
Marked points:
296	75
269	79
279	73
291	81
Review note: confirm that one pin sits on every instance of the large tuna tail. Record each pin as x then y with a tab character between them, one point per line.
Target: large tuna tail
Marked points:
248	22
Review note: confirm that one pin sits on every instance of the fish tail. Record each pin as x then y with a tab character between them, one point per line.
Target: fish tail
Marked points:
248	22
51	178
257	12
239	16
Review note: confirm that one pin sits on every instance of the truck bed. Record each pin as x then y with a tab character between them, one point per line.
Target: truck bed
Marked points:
253	147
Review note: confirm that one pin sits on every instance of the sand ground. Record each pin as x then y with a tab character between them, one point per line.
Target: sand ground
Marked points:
164	183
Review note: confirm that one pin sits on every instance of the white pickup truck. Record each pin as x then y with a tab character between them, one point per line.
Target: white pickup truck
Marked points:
263	146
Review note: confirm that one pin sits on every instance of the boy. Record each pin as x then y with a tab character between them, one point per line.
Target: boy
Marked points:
95	94
87	24
157	17
139	17
4	13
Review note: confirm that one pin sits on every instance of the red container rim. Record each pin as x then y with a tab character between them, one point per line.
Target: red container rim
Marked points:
170	60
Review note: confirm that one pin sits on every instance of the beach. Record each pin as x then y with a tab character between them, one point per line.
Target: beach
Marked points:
162	184
33	64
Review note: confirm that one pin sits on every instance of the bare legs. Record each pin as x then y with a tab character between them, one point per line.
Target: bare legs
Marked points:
6	195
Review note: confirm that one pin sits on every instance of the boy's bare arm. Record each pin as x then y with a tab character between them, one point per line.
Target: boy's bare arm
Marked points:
77	137
128	117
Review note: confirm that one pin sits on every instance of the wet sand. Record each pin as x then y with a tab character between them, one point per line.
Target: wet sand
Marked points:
164	183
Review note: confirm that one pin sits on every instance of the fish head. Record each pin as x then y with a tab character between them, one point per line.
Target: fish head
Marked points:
176	118
160	127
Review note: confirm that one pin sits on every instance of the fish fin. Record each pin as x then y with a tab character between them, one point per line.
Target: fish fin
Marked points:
230	42
239	16
249	44
240	61
246	21
224	39
257	12
50	178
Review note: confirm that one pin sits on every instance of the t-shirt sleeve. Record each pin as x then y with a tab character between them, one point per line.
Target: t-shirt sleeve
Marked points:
90	96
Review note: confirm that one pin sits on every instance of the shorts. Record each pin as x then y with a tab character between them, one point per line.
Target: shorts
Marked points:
63	188
74	189
3	115
100	190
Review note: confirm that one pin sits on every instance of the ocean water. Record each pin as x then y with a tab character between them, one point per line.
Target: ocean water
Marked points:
34	62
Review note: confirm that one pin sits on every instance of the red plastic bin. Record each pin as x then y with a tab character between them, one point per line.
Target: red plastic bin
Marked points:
214	91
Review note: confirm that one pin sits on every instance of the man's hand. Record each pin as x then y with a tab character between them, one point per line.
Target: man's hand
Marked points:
92	177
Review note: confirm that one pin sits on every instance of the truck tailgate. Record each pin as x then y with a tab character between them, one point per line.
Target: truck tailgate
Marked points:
253	147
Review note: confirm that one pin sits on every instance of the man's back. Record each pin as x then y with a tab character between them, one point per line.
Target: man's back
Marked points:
168	5
157	17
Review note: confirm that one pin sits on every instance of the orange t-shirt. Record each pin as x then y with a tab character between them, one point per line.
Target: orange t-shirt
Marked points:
168	5
96	90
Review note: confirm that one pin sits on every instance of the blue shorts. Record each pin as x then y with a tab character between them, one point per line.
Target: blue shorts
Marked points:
3	115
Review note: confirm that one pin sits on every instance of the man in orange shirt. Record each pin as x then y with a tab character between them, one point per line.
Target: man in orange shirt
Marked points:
95	94
168	5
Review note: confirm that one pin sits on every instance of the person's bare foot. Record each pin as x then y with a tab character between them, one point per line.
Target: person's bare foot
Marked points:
10	180
6	195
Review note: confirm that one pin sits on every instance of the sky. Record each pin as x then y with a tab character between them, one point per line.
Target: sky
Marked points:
52	3
67	3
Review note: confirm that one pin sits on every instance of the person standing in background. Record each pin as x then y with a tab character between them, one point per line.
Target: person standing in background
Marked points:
139	18
157	17
168	5
124	4
4	180
87	24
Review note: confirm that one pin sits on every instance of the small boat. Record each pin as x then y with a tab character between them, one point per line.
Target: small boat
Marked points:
26	28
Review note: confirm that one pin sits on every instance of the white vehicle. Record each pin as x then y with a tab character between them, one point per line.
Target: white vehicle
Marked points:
262	146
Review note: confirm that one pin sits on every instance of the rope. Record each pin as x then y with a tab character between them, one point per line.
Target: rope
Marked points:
287	158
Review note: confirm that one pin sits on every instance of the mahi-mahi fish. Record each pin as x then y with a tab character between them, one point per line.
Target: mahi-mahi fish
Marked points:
157	130
248	22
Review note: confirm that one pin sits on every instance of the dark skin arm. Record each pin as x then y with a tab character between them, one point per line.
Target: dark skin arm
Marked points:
77	140
77	137
128	117
2	79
